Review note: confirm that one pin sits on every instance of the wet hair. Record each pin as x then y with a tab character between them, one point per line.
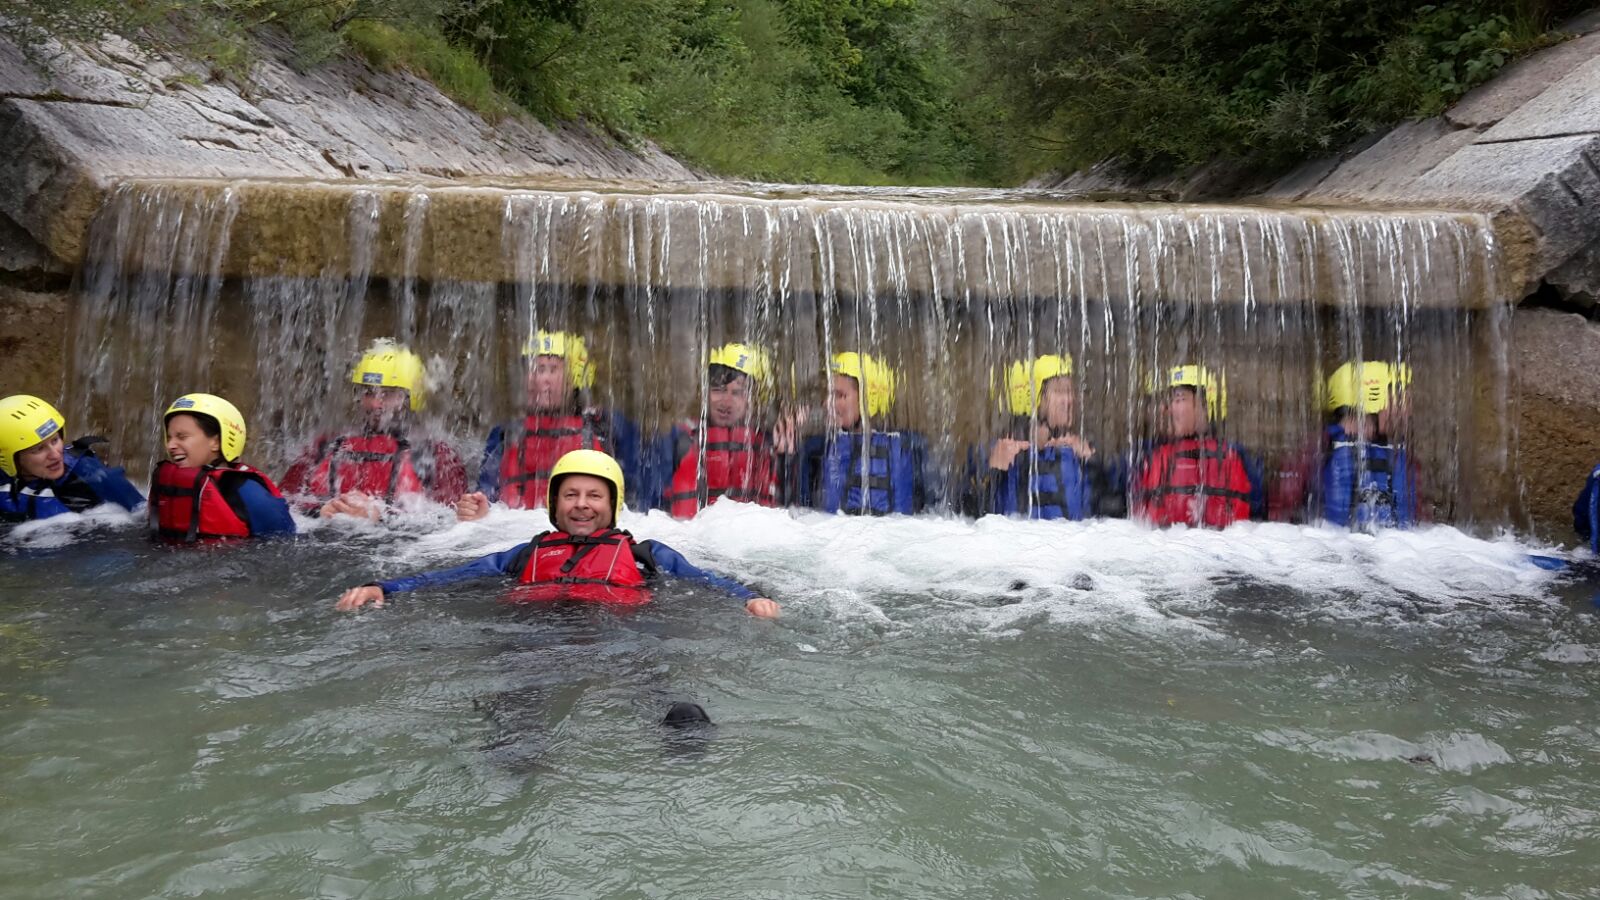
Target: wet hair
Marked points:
720	375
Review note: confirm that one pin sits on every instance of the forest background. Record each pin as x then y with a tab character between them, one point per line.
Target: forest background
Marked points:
986	92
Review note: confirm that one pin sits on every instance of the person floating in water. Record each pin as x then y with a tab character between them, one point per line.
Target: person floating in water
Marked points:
856	467
585	559
363	473
42	475
1044	469
1189	475
201	491
1368	479
519	456
728	457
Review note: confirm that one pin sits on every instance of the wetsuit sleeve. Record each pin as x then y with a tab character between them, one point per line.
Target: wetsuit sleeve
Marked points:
930	488
1256	473
109	483
983	486
806	468
1108	486
449	475
10	509
1585	510
658	460
268	515
495	564
642	476
672	563
489	467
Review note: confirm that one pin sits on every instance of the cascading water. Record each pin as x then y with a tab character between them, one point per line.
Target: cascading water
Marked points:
948	707
949	293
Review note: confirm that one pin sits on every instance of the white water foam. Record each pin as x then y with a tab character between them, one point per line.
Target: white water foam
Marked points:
995	573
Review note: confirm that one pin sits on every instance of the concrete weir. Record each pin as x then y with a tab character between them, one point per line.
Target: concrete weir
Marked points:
949	243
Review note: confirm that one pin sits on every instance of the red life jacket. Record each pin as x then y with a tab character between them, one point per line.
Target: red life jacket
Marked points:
528	457
1194	481
601	568
201	504
379	465
738	465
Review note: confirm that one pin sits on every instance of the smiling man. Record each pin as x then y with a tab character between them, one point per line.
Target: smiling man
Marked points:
585	559
728	454
362	474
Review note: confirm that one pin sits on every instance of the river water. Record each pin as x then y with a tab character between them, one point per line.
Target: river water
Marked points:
947	709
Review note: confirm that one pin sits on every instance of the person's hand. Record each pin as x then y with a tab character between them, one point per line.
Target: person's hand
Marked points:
1005	453
762	608
357	597
783	435
472	507
353	503
1075	443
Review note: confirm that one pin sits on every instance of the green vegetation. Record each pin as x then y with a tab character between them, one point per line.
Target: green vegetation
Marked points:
895	91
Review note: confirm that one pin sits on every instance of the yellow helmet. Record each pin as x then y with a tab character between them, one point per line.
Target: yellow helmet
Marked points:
391	365
744	358
876	379
1214	387
225	414
1025	381
588	462
1367	387
570	347
25	421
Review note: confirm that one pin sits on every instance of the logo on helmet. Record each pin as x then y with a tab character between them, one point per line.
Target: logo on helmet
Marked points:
372	378
47	429
183	403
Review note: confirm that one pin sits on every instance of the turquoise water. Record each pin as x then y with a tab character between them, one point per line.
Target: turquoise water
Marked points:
947	709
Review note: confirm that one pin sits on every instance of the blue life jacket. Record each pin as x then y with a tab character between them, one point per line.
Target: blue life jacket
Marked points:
1057	486
893	482
1374	489
87	483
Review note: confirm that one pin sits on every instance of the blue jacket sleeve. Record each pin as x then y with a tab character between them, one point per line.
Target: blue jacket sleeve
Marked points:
268	515
483	567
108	482
489	467
672	563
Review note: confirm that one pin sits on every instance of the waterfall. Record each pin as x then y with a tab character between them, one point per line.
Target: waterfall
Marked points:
266	292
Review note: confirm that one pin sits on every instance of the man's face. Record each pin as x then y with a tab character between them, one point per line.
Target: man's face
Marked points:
46	459
844	402
583	505
546	384
1186	414
730	402
381	407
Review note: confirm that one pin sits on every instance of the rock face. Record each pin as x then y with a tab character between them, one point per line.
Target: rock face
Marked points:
1558	370
77	120
1524	147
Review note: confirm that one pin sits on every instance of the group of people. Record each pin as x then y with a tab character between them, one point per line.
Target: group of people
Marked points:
584	463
